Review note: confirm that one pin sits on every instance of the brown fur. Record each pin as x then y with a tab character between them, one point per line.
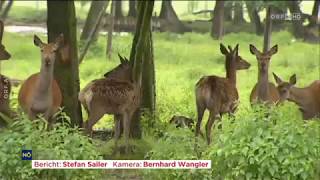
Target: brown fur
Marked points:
264	91
27	90
115	94
219	95
307	98
40	93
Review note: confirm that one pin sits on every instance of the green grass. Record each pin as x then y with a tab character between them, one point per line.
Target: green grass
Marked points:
180	61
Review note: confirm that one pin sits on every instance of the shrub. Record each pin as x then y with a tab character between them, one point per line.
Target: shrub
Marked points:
63	143
266	144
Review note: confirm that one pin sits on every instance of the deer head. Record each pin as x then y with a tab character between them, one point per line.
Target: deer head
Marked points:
122	72
263	58
4	55
233	55
284	87
48	51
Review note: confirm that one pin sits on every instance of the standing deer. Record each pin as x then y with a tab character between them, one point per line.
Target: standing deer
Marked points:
5	85
308	98
264	91
217	94
40	93
115	94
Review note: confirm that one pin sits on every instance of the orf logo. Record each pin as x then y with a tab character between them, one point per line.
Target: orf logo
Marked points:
26	155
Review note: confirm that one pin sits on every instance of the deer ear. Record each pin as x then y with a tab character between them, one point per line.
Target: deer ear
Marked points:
121	59
223	49
273	50
278	80
293	79
37	41
253	49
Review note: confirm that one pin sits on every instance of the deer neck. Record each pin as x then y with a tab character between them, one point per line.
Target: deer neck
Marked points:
299	96
231	72
263	85
45	81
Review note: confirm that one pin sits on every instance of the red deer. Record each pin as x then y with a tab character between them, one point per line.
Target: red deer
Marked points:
40	93
264	91
217	94
5	85
115	94
308	98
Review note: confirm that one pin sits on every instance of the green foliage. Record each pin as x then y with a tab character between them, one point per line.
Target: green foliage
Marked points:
266	143
62	143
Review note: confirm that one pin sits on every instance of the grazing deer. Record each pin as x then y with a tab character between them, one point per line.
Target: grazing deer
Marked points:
219	95
5	85
264	91
308	98
115	94
181	122
40	93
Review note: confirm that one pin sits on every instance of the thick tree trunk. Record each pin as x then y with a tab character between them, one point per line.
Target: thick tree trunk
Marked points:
94	11
110	30
298	30
227	12
315	14
238	13
141	57
6	10
132	8
217	21
267	31
61	19
254	17
1	4
170	19
118	10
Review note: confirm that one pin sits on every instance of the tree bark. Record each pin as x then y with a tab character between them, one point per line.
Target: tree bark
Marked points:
6	10
217	21
254	17
267	31
169	16
141	57
94	11
61	19
298	30
118	10
110	30
132	9
238	13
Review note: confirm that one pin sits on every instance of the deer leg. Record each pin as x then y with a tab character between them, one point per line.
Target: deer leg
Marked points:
126	128
209	124
117	129
200	112
94	117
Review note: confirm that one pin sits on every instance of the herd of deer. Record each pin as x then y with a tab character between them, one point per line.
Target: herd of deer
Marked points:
116	93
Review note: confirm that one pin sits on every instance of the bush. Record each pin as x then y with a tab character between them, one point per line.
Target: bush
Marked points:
63	143
266	144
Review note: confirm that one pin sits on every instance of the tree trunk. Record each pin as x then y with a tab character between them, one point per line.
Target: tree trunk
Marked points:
315	14
141	56
298	30
1	4
217	21
238	13
93	32
110	30
6	10
267	31
254	17
170	18
95	9
61	19
118	10
132	8
227	12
